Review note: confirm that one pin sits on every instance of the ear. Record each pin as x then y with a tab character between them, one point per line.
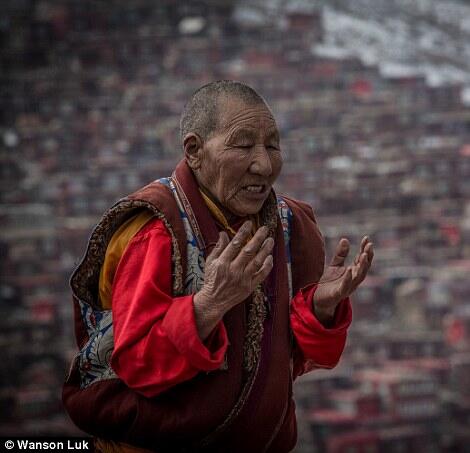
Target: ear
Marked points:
192	145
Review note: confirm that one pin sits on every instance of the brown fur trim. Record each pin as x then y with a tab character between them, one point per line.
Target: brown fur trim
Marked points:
257	309
85	279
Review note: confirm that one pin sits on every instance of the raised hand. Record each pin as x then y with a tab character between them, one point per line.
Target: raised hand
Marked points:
232	272
340	281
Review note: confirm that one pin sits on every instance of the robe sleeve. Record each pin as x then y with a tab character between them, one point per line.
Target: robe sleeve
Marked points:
156	343
317	346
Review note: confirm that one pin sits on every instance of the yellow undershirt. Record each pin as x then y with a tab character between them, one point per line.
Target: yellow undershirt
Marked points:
220	217
116	247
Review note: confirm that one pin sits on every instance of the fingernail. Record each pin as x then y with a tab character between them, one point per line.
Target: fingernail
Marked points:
267	242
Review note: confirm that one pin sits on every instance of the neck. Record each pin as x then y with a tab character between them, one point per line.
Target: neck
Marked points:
230	216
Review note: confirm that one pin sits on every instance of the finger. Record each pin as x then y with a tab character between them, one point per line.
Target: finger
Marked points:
264	271
365	240
255	264
238	241
250	250
342	250
369	249
360	271
222	242
346	284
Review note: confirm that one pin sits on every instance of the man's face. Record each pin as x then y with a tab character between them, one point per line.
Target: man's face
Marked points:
242	159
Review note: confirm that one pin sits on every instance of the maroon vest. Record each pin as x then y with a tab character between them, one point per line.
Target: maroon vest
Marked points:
229	409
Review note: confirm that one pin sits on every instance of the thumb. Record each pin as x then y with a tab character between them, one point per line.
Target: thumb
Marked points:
341	253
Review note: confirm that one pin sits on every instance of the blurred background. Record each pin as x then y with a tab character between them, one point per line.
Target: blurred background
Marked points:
372	98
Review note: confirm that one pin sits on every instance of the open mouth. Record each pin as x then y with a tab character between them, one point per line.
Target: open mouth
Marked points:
257	191
255	188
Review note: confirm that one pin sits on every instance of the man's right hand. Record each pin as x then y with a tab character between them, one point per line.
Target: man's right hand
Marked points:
232	272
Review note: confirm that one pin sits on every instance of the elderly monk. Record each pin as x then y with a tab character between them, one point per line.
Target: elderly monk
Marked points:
202	296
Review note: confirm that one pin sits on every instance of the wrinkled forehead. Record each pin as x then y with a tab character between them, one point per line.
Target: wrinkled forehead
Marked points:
233	113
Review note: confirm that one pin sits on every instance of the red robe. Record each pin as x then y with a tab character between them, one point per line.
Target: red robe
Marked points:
155	336
156	349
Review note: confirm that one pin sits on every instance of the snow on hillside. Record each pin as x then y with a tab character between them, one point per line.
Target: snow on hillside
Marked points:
429	37
404	37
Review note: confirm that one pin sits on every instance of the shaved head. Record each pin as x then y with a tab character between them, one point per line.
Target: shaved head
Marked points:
200	115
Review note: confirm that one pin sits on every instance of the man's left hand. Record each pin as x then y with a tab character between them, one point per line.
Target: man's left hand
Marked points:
339	281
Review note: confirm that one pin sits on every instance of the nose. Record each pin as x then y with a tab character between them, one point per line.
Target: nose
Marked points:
261	162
